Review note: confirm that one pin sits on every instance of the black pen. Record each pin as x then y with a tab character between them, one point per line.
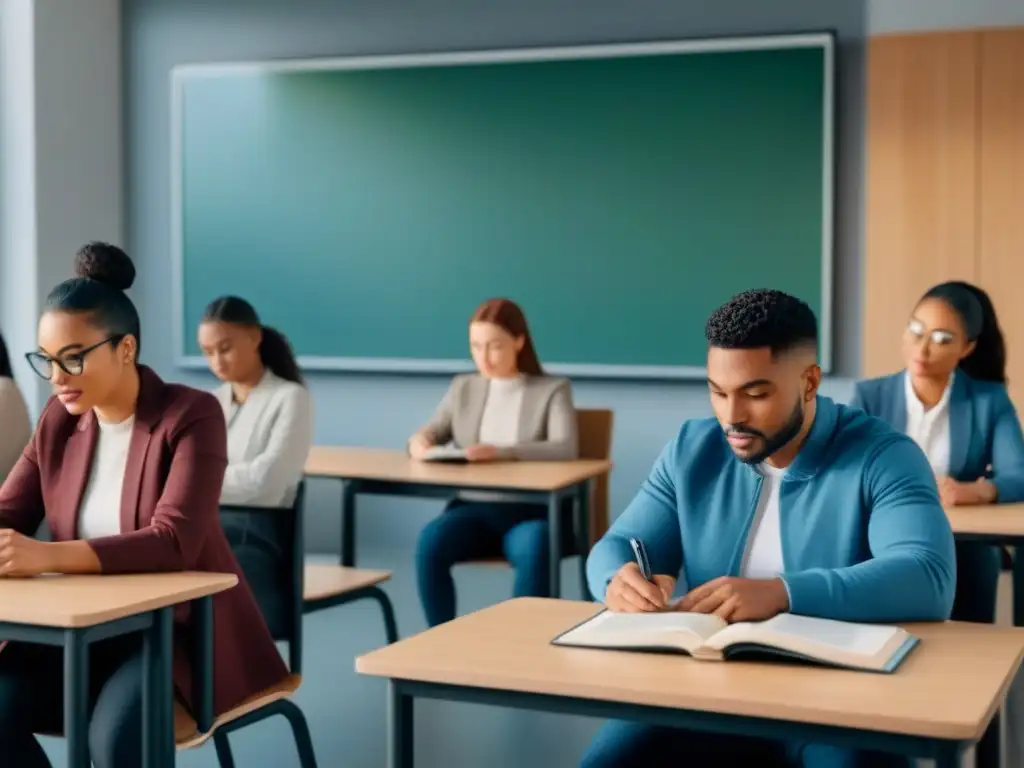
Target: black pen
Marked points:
640	553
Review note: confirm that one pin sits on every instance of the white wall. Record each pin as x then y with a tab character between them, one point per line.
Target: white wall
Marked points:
61	166
920	15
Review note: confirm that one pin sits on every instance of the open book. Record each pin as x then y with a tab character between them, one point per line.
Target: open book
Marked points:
869	647
450	454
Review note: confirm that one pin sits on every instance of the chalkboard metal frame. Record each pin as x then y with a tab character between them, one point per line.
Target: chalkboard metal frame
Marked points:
824	40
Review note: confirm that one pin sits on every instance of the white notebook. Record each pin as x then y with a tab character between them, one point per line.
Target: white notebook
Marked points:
450	454
870	647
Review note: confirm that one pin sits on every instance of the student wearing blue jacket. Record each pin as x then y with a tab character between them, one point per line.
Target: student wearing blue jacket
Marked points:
785	501
951	399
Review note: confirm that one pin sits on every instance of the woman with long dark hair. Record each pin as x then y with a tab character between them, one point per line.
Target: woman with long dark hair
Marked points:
15	423
265	401
951	399
509	409
270	430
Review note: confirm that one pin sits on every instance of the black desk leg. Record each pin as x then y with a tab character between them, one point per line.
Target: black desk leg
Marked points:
555	545
202	660
158	691
1017	575
400	727
348	523
948	756
583	532
986	752
76	698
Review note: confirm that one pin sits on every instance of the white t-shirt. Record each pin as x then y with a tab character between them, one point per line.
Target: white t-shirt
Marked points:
930	429
100	513
763	556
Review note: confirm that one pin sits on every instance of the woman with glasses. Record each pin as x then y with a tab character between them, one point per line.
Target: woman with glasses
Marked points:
15	424
951	398
127	472
270	431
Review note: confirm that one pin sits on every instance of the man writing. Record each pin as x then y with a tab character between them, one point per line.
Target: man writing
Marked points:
785	501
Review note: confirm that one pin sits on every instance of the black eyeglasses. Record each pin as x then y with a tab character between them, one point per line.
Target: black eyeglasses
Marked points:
72	364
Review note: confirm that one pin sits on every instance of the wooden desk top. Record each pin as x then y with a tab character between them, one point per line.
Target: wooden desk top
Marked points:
949	687
991	519
396	466
84	601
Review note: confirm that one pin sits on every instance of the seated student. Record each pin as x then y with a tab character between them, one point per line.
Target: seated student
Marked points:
127	472
951	399
15	424
509	410
785	501
270	431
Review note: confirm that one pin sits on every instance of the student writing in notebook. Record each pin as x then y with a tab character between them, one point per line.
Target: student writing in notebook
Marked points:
270	431
784	502
126	470
951	399
510	409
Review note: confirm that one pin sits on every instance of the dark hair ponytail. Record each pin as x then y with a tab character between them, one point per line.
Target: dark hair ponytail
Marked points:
276	354
275	351
987	361
5	360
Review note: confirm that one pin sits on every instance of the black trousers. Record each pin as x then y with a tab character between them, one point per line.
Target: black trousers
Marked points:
32	701
977	579
259	543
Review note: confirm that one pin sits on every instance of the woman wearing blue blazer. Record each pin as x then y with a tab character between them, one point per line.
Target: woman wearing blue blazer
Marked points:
952	400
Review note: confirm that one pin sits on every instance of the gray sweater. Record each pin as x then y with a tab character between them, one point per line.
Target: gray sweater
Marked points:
546	419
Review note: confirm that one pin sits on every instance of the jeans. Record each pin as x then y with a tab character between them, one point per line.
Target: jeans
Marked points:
634	745
471	530
32	700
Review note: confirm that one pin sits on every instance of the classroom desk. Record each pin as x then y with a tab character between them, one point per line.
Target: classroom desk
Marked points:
74	611
937	704
394	473
1000	525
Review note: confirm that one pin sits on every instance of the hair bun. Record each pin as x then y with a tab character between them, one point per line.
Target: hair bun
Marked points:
105	264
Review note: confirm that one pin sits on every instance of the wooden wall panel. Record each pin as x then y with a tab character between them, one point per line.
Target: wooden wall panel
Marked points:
921	202
1001	189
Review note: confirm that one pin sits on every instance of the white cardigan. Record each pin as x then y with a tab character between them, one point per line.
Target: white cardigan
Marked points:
15	426
269	437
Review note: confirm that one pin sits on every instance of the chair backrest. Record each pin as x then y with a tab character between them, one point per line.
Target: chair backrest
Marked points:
272	557
595	440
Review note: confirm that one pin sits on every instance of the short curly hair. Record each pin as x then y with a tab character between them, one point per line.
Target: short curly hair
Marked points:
762	318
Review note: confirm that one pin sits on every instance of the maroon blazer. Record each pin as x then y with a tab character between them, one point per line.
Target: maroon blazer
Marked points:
170	518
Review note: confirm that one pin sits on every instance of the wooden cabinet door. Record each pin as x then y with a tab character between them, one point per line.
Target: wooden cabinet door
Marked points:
921	210
1001	188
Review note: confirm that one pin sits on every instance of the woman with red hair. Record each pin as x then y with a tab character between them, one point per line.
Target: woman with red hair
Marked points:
509	409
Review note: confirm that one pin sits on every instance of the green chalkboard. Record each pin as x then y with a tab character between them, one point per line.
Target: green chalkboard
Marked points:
366	207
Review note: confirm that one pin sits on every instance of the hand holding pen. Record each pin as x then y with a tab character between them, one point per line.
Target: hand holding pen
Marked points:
635	589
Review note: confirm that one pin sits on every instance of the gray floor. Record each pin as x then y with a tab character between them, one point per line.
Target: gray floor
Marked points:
347	712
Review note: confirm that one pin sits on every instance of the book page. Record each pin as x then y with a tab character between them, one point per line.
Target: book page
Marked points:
445	453
865	639
610	628
840	642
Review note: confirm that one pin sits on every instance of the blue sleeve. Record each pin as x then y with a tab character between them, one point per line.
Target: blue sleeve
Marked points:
911	575
1007	451
650	517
